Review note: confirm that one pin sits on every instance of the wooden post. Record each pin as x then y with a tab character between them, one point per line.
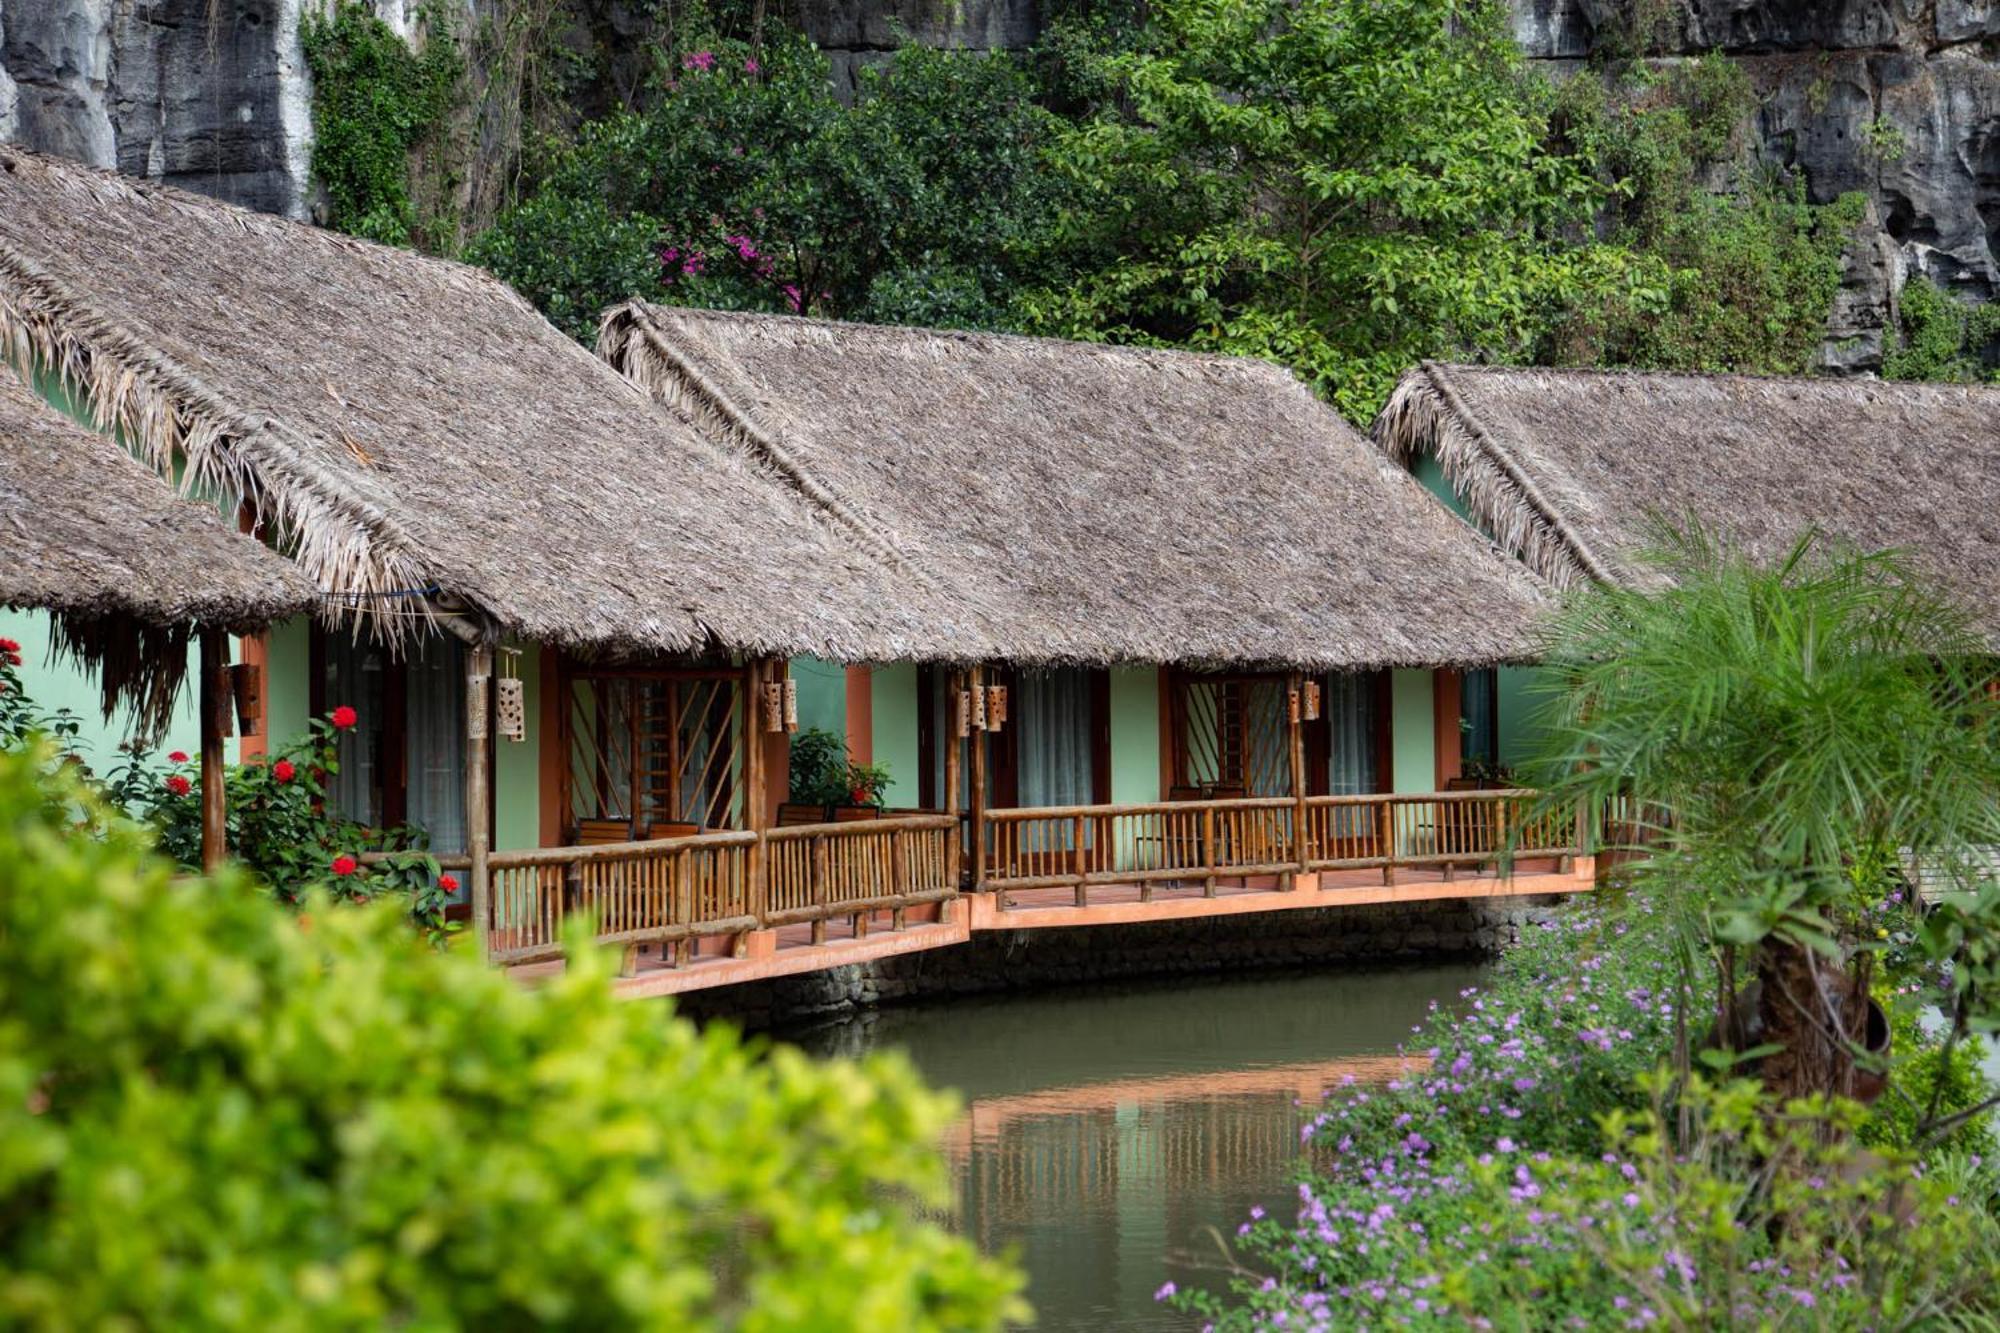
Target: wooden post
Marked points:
977	794
954	683
1208	850
756	812
478	827
1298	736
1079	866
1385	840
215	697
822	870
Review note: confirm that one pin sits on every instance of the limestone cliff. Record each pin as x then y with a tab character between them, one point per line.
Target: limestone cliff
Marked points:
1898	98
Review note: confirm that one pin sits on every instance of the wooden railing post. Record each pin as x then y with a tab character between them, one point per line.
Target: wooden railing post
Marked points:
1500	805
820	872
977	794
1078	863
1385	839
1208	850
899	876
1298	756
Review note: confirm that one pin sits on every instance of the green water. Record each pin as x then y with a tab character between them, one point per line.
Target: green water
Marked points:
1111	1135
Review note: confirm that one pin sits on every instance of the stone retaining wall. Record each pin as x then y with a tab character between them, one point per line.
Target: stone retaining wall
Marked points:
996	961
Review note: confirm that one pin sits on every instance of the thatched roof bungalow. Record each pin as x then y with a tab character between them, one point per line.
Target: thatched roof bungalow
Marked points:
127	568
1571	469
417	437
1102	504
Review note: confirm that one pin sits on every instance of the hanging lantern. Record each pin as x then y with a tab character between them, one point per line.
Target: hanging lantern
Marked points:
791	704
475	706
1292	704
774	706
961	713
996	707
978	700
510	698
1312	701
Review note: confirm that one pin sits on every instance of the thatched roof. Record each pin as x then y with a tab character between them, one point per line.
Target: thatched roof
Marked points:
1098	503
411	426
1573	470
127	566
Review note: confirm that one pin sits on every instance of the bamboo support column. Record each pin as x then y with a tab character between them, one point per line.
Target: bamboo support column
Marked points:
215	697
478	786
755	810
954	688
978	789
1294	712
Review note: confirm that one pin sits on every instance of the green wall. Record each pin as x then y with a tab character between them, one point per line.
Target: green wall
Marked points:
517	765
61	685
1135	735
893	708
1412	735
288	681
1520	703
822	691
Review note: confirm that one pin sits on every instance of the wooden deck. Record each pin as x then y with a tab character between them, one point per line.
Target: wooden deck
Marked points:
788	950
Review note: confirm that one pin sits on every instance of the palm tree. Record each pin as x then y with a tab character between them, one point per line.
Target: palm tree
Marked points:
1802	729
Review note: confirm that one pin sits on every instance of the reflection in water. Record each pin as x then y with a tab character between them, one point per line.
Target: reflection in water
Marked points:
1110	1134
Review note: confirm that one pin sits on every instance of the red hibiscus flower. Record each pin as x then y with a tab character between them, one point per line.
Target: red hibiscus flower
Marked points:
448	883
344	718
13	659
178	757
179	785
9	646
343	866
283	770
859	796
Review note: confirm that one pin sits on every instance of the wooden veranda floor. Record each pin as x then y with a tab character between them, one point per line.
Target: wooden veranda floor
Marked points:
790	950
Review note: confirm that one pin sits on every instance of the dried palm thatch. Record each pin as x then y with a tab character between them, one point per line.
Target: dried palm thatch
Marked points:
1102	504
1573	470
411	431
127	567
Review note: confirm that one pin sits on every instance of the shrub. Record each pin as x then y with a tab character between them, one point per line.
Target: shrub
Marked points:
214	1114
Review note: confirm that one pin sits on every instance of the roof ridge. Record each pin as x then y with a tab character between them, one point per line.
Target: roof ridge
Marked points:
714	410
1854	383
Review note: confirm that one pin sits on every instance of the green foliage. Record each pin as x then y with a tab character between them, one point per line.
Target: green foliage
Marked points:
822	773
21	721
1735	271
1540	1162
1941	337
747	185
217	1115
374	103
1792	716
1340	187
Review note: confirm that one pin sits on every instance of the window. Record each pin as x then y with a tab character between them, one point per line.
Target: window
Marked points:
653	753
1232	735
1054	749
404	760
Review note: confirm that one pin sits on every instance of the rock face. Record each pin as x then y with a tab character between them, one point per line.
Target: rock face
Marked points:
209	96
1896	98
1899	99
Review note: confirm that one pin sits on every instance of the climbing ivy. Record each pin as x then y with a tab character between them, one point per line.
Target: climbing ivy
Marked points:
1941	337
375	103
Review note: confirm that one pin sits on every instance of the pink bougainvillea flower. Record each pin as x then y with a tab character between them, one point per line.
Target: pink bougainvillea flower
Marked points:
701	60
751	66
344	866
179	785
344	717
448	883
283	770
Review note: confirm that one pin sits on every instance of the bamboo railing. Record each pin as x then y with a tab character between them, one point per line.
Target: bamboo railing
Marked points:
1183	842
670	891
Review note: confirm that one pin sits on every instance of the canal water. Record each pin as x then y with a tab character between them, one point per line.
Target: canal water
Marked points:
1112	1135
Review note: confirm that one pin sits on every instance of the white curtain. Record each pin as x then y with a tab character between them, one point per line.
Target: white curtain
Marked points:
1051	715
1353	766
434	742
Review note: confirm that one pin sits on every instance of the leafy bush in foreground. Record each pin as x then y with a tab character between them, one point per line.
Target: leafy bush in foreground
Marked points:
215	1114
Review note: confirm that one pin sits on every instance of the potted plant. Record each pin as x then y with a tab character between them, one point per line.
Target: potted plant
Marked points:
825	781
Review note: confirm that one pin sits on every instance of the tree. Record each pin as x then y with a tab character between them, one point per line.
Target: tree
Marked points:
748	185
1341	187
216	1114
1801	727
